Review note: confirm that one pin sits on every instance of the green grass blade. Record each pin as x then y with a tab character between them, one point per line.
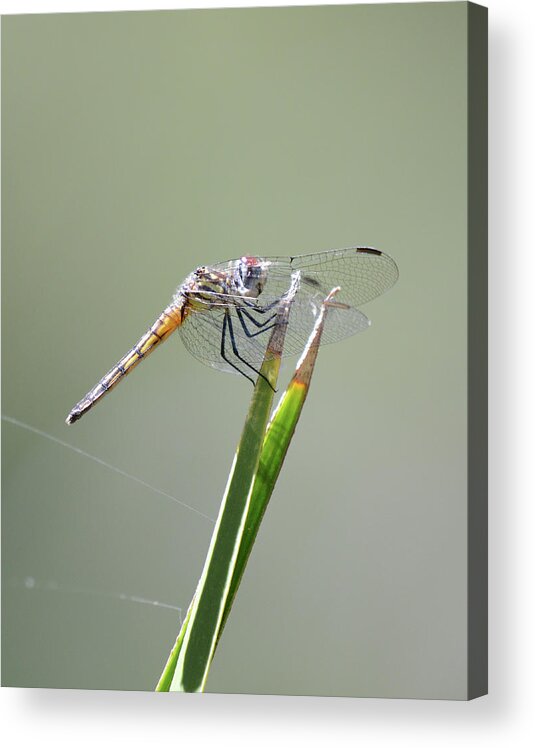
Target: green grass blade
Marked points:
166	678
276	442
193	652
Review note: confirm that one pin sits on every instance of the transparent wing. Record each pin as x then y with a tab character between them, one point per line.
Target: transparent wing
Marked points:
231	332
233	336
209	339
363	273
339	322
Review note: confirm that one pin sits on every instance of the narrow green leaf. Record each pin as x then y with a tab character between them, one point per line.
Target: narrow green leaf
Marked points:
166	678
276	442
181	673
193	652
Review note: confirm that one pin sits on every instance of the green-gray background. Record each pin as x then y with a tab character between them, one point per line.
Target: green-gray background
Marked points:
137	146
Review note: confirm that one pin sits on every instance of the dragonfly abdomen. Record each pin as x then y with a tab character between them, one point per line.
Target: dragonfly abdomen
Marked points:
167	322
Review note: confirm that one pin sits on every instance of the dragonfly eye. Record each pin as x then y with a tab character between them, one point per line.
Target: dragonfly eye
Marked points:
252	276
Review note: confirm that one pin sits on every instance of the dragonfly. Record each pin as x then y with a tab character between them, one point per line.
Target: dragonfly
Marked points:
224	312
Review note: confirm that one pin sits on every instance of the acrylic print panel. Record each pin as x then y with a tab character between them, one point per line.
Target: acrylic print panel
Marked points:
140	146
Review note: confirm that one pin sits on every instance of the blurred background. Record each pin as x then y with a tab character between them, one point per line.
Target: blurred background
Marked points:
137	146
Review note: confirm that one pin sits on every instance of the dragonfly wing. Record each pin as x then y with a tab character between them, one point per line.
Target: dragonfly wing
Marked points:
339	323
362	273
240	342
225	345
229	332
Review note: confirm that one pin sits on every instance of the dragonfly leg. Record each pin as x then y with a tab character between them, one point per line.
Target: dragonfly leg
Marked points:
223	354
261	309
262	325
230	329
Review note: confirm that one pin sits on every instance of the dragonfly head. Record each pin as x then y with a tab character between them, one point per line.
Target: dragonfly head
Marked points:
252	275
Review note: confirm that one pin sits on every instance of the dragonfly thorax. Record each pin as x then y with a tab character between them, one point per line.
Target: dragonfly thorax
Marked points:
202	290
200	287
